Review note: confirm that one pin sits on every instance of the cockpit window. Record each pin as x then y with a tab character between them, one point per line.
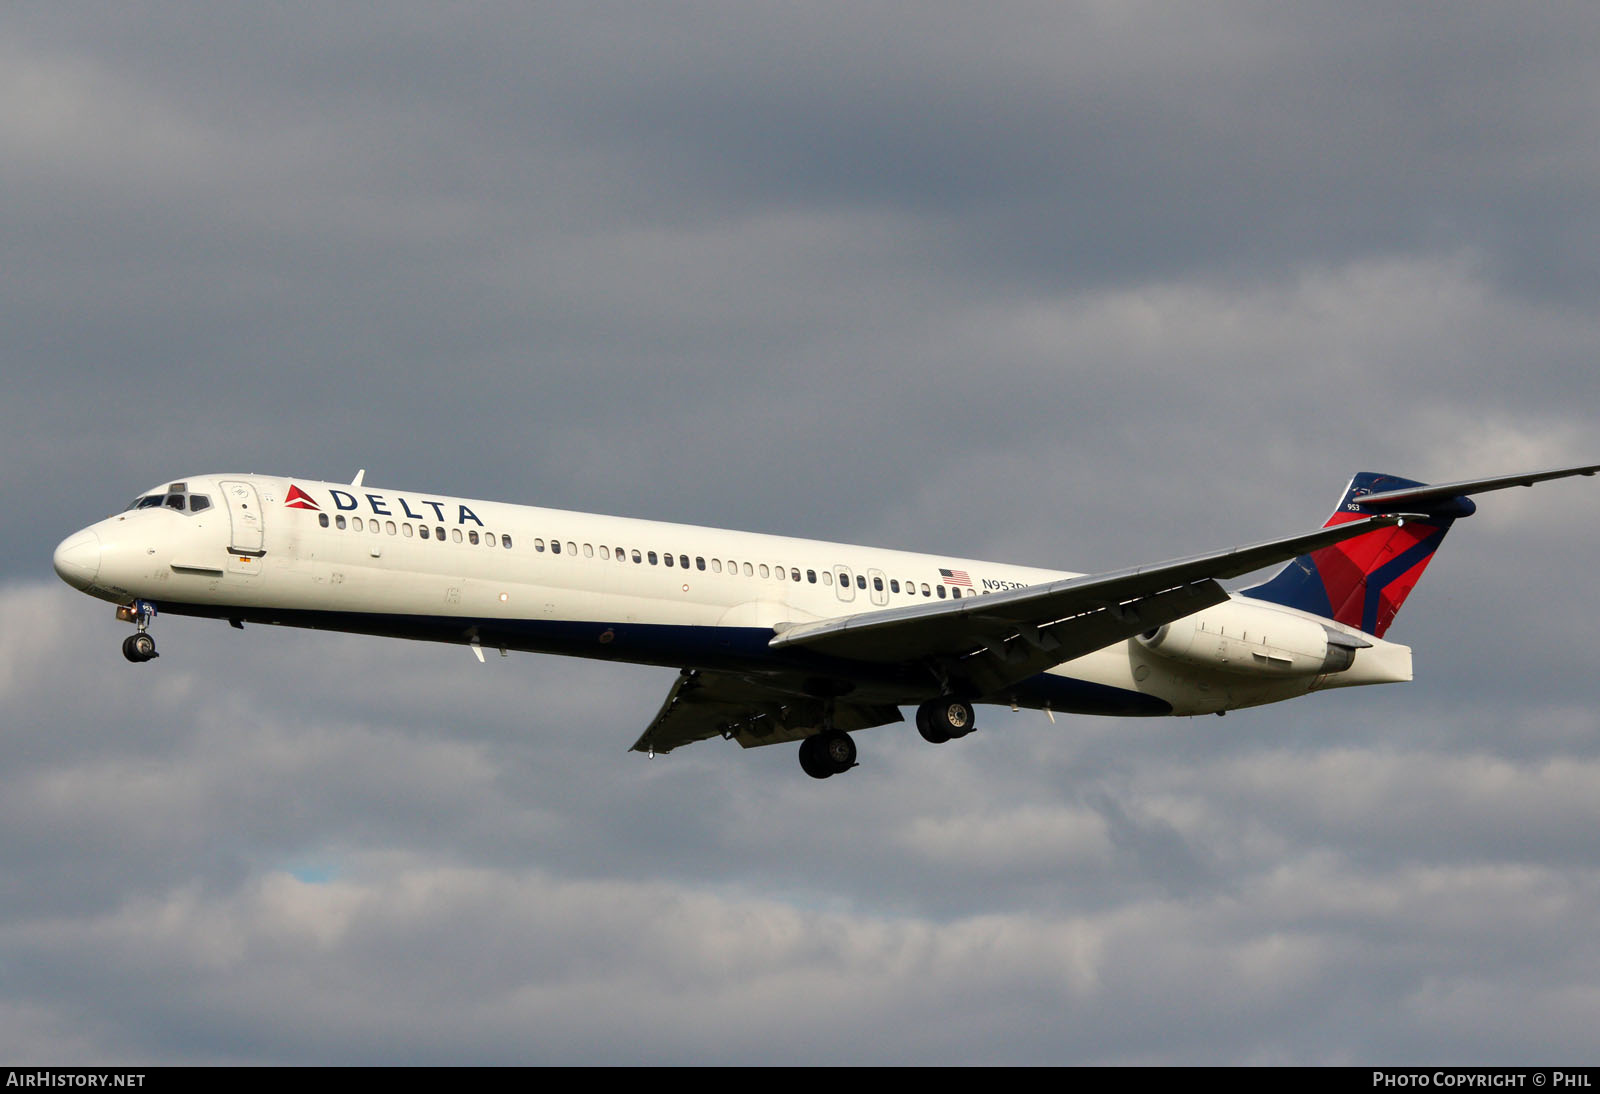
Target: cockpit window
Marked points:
179	502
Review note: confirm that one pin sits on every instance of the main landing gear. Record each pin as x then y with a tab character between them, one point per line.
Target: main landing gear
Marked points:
140	646
944	720
827	753
833	751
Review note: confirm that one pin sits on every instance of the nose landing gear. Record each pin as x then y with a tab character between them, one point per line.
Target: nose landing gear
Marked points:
141	646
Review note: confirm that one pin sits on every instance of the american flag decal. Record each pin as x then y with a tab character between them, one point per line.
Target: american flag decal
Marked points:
955	577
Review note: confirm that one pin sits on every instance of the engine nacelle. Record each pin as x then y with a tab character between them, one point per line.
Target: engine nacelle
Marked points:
1254	644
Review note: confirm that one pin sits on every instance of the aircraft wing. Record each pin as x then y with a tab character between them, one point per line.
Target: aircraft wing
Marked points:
989	642
752	710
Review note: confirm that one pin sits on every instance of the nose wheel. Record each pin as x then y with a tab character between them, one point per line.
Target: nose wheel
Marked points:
141	646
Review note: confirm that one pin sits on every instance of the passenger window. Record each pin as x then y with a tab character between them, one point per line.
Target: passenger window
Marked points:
940	590
827	577
505	541
572	548
764	571
699	563
749	571
405	530
925	590
861	581
389	524
652	558
955	592
455	533
472	536
877	584
338	522
794	575
538	545
588	550
716	565
422	530
438	534
683	562
811	576
894	584
605	553
355	523
780	573
668	559
636	554
488	538
322	519
555	545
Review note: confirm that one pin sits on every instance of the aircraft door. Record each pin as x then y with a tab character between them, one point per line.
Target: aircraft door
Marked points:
246	542
844	583
878	586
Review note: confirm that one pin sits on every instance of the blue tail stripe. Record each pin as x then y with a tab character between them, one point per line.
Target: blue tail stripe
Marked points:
1379	579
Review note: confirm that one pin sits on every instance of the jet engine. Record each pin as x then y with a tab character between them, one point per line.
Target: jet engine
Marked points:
1248	643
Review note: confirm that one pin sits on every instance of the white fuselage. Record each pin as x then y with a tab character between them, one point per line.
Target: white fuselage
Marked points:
408	564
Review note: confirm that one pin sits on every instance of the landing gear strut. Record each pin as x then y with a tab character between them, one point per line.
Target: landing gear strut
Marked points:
140	646
827	753
944	720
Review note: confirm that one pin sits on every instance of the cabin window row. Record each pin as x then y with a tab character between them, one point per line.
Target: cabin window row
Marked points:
776	571
420	531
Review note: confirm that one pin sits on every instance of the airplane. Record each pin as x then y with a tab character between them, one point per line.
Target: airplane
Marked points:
780	639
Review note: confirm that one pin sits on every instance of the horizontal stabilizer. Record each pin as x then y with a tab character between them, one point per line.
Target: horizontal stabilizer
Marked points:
1420	497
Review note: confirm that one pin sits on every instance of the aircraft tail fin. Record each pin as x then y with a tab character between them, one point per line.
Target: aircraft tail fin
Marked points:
1362	582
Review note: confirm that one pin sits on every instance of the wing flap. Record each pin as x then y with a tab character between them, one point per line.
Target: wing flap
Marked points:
751	711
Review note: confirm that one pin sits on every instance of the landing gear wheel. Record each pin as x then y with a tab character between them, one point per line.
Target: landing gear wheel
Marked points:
139	647
812	763
944	720
827	753
837	749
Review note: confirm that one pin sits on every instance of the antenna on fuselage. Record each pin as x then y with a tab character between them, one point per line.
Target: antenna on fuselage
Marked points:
359	476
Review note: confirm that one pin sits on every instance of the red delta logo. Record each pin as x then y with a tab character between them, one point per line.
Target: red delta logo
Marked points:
299	499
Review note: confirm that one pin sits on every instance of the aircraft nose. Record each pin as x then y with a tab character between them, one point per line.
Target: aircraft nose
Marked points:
77	559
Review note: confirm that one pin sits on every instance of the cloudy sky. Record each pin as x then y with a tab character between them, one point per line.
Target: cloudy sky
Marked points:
1076	285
